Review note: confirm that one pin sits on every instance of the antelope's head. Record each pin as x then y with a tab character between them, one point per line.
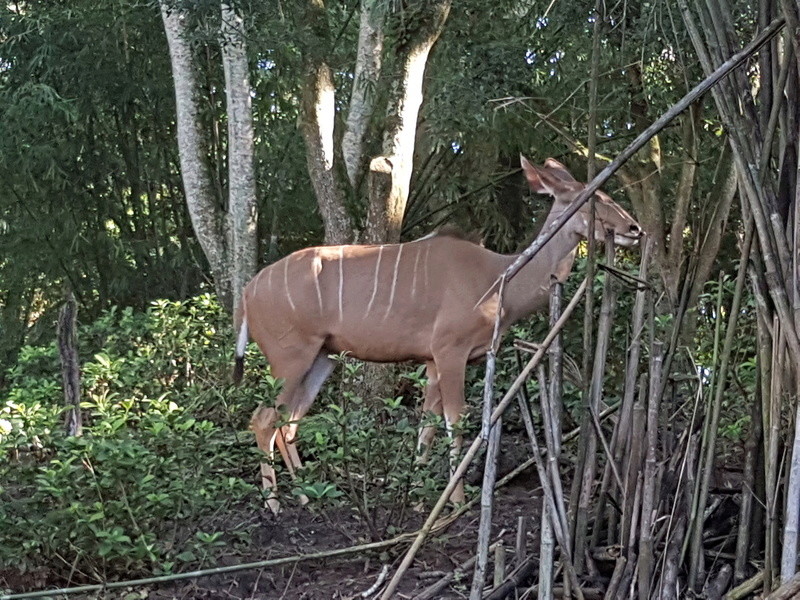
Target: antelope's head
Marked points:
554	179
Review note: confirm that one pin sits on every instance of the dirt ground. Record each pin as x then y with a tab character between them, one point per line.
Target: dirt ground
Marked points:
298	531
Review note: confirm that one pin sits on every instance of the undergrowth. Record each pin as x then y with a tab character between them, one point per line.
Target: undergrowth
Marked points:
166	453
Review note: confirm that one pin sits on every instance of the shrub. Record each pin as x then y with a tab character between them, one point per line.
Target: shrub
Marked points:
158	457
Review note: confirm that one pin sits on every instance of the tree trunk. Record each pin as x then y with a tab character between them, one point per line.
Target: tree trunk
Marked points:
206	214
70	365
241	170
390	174
318	117
365	80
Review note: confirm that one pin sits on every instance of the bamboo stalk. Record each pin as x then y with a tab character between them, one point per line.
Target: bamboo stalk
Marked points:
772	442
521	540
696	519
792	519
557	509
487	498
547	542
587	482
621	431
499	564
633	466
646	556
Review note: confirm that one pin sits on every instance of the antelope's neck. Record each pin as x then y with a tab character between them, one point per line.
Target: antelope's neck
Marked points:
529	291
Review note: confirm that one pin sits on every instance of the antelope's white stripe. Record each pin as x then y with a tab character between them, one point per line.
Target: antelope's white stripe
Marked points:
414	277
341	281
286	283
317	268
375	282
394	280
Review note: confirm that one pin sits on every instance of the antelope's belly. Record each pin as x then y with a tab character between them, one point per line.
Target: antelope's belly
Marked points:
376	345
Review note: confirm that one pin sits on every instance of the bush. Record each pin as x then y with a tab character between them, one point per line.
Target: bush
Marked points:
364	455
160	462
156	458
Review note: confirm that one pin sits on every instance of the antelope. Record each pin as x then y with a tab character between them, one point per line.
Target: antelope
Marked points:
432	300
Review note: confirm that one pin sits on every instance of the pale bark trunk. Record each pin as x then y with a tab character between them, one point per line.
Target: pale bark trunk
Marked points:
675	251
204	210
318	117
241	169
390	174
365	81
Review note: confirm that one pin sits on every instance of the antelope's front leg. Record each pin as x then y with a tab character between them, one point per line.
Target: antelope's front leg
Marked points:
451	385
432	404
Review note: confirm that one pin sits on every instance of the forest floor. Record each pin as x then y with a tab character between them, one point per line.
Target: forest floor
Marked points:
298	530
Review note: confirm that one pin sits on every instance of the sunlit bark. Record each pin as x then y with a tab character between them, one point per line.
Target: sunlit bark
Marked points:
365	81
390	173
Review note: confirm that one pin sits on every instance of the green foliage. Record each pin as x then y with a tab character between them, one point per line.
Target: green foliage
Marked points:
159	455
162	464
364	455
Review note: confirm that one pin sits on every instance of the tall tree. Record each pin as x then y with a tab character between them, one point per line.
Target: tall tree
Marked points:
207	215
241	168
227	233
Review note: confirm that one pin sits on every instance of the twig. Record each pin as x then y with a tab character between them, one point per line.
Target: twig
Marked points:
378	582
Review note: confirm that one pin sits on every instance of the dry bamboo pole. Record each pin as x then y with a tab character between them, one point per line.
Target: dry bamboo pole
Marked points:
499	564
487	504
551	416
669	582
772	425
554	498
472	451
584	450
587	485
696	517
748	484
633	464
790	527
746	588
490	431
646	554
547	543
621	431
521	541
719	390
681	504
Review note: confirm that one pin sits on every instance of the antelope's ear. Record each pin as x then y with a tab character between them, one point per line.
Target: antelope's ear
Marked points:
546	179
558	169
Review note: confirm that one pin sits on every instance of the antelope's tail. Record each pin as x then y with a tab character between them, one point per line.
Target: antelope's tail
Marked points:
240	325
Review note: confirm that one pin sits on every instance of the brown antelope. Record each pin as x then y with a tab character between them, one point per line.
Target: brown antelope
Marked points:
433	300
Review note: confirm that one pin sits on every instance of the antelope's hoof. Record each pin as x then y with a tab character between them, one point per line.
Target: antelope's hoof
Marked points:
302	499
457	496
274	505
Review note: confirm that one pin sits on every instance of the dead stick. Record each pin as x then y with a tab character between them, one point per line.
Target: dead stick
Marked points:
434	590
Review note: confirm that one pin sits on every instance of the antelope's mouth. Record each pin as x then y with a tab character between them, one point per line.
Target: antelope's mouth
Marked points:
630	238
